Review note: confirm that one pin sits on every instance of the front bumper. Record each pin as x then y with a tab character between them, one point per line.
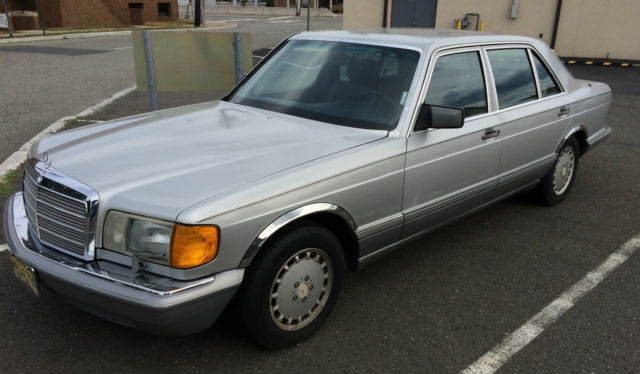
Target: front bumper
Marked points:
144	301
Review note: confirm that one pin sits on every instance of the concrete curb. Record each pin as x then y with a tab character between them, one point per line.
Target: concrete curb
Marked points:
103	33
600	62
18	157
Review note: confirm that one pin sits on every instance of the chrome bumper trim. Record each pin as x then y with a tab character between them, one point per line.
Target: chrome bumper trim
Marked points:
598	136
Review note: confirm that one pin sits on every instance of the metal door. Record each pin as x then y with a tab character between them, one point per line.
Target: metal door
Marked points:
450	172
414	13
530	130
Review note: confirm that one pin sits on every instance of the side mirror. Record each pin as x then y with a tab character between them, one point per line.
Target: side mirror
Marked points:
439	117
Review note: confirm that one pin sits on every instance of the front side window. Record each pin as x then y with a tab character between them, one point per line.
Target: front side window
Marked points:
513	76
548	85
347	84
457	81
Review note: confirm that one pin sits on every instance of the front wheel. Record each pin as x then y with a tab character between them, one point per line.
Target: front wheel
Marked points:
556	184
291	286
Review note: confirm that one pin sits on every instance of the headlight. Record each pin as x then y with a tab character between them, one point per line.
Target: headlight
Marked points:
150	240
176	245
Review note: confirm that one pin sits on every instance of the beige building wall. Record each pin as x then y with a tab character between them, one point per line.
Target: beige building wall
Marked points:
535	18
599	29
587	28
362	14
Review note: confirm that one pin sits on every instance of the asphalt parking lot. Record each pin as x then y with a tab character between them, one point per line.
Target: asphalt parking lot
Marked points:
436	305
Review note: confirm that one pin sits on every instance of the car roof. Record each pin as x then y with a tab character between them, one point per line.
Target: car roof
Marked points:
415	37
430	40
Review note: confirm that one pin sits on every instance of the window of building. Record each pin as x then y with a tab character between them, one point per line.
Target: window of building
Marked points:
548	86
457	81
164	9
514	79
136	5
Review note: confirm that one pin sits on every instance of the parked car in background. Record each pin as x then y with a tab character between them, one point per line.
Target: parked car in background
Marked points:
336	149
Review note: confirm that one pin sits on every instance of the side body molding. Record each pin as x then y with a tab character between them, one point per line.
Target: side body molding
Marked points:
289	217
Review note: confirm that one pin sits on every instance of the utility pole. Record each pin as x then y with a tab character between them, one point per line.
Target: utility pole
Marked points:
198	15
308	13
41	19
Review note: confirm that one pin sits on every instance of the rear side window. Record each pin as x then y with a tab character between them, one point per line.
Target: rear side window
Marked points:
457	81
548	86
514	79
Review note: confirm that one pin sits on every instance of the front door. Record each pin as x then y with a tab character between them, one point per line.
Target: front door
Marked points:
449	172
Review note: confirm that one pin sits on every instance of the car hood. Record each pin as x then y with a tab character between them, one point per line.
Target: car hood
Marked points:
161	163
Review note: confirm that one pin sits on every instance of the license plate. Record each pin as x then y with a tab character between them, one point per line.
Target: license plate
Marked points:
25	273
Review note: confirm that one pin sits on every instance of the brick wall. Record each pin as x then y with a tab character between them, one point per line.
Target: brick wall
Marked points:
90	13
22	14
51	13
20	4
151	9
24	20
96	13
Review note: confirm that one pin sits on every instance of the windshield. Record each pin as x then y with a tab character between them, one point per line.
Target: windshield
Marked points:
347	84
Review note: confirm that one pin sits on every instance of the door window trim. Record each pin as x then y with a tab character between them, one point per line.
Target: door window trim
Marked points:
533	53
492	96
531	49
535	74
425	85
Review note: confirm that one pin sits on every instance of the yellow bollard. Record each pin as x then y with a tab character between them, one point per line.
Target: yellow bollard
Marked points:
458	24
481	26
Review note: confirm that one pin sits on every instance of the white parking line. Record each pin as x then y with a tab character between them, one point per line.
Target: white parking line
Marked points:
19	156
512	344
279	18
121	48
3	247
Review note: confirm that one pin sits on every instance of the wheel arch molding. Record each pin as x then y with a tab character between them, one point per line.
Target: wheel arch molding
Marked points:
581	134
326	214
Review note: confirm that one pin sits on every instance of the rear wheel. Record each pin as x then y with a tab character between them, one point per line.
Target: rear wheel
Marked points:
291	286
557	183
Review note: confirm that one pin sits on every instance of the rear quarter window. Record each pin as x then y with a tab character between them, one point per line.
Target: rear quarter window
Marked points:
548	85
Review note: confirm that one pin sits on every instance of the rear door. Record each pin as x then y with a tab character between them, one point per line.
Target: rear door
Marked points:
451	171
533	110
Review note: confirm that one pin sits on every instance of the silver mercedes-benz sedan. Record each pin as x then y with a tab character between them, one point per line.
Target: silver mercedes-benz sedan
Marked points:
336	149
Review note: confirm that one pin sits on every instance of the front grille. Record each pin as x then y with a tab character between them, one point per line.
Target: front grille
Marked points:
61	211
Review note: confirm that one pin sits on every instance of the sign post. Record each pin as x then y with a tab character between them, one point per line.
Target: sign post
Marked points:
237	58
4	18
151	72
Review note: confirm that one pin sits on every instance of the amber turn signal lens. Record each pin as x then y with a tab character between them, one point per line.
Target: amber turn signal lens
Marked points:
192	246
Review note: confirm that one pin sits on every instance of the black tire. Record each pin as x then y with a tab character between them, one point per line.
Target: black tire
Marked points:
304	284
553	187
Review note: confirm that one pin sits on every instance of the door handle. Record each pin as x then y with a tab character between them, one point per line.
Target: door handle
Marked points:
564	111
490	133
